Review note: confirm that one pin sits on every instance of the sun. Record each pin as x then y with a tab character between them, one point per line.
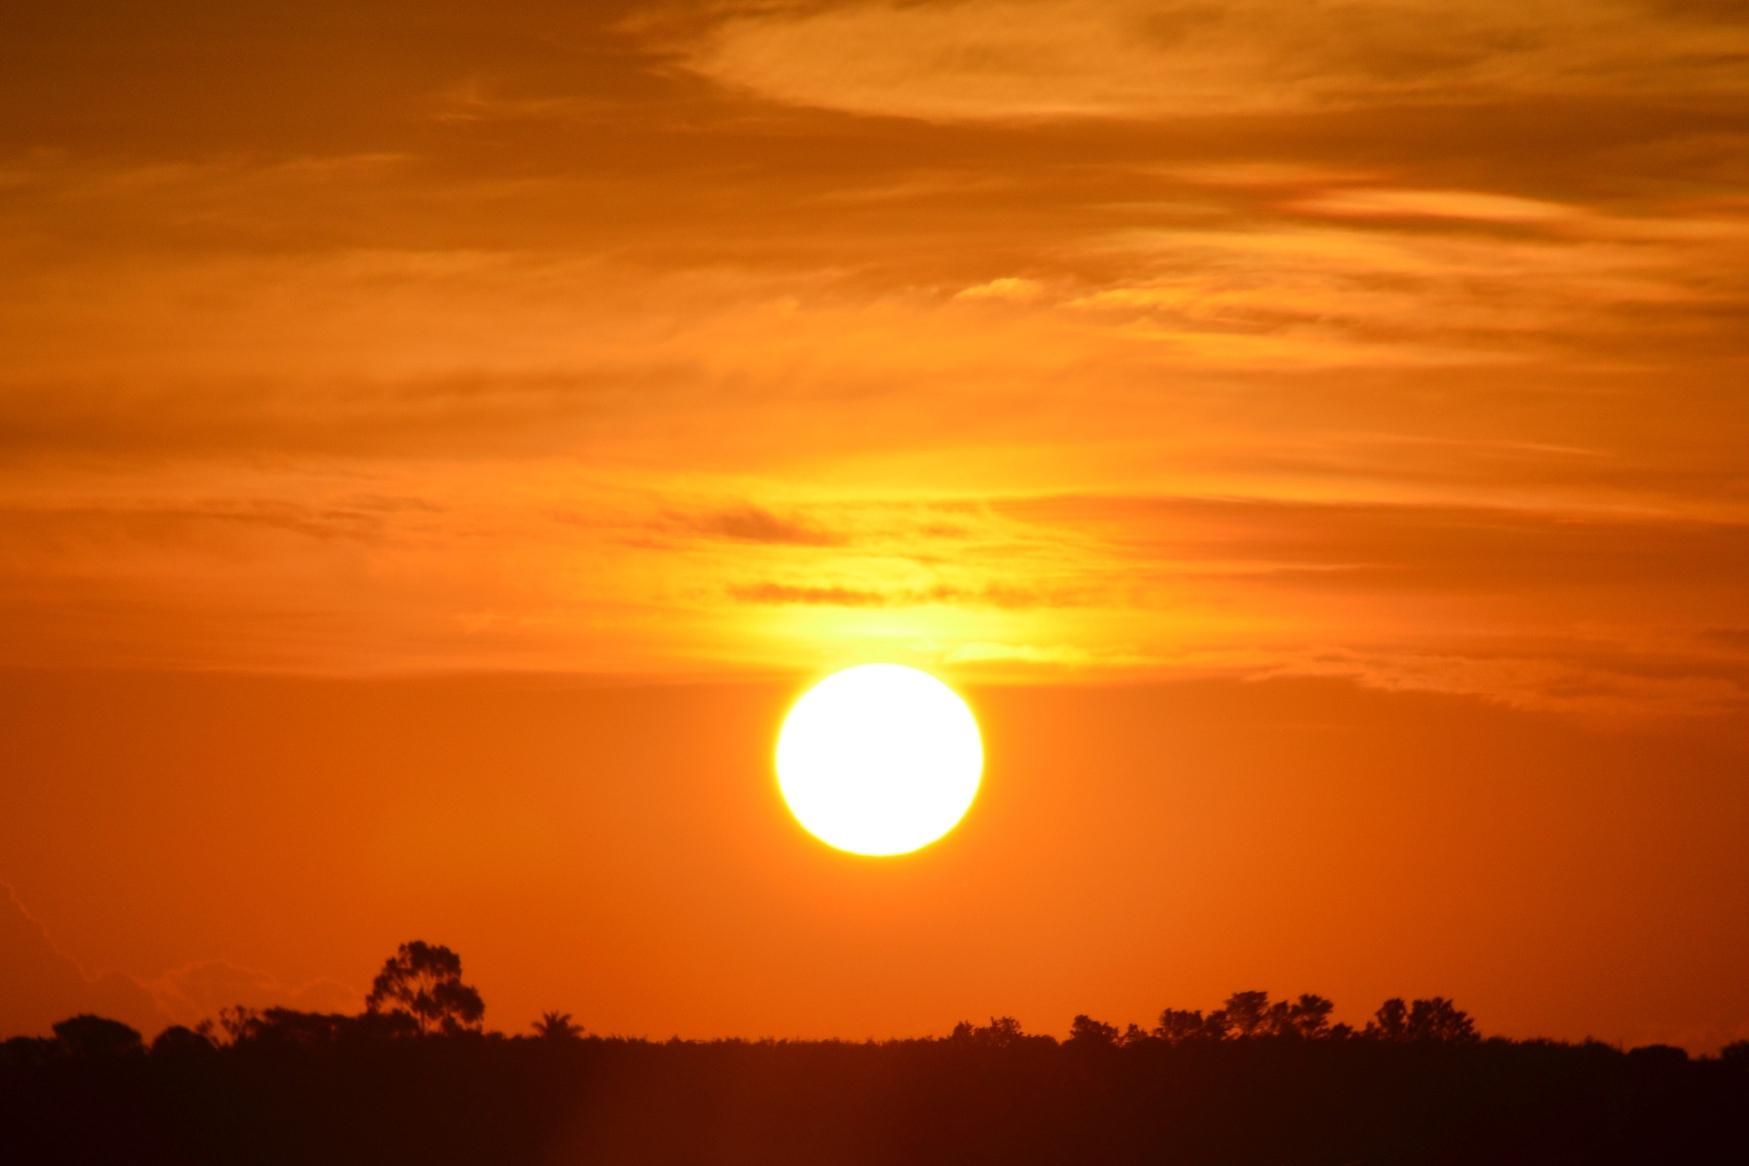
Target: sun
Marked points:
879	759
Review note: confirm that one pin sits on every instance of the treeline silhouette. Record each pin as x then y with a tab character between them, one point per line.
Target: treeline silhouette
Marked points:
416	1078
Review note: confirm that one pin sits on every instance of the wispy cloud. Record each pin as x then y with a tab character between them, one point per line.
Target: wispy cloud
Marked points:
993	59
940	594
45	985
1385	203
751	524
1015	289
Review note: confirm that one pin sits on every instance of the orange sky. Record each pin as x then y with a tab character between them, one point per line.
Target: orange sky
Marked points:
436	440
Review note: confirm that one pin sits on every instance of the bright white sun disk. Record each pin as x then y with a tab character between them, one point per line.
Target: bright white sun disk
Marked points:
879	759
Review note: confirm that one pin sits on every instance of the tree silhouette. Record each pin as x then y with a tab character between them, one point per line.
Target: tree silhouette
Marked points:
1247	1014
557	1026
1438	1019
288	1026
1003	1032
1390	1022
1433	1019
423	981
1181	1024
1309	1016
180	1041
1088	1033
97	1037
295	1086
230	1026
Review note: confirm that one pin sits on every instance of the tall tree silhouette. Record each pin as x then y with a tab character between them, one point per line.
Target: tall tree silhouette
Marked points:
1309	1016
1247	1013
424	981
1390	1022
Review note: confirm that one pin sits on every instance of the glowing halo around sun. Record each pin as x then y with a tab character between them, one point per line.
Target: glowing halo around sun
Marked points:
879	759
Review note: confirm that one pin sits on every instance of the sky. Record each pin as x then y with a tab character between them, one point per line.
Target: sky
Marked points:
437	441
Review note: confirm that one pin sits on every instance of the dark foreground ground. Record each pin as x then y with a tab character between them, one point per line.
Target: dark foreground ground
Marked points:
494	1100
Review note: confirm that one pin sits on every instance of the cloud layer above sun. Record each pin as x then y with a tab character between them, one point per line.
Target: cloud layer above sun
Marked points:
1396	341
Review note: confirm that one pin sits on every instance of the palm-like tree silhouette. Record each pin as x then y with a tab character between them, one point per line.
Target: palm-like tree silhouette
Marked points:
557	1026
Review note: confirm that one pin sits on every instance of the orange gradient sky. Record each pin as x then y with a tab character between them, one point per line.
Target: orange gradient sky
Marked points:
437	440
